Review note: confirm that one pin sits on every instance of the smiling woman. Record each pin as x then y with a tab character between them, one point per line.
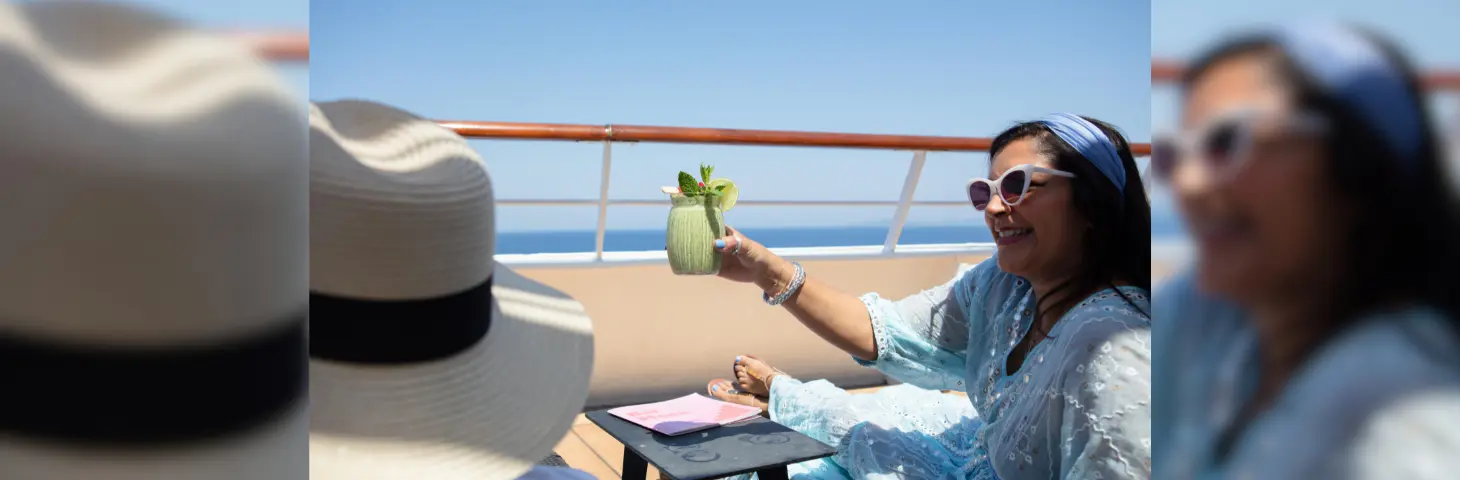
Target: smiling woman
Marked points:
1322	310
1085	227
1061	310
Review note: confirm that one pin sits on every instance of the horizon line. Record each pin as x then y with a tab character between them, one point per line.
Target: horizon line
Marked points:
827	227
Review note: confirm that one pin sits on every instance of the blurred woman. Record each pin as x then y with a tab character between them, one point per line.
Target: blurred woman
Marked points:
1049	337
1317	335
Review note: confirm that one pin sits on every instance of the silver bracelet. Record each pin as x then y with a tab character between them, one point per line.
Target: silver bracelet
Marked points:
796	281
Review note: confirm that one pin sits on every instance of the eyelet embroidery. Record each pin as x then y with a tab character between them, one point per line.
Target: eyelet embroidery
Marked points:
1011	425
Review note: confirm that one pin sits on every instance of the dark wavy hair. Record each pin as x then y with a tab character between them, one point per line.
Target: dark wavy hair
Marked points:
1403	226
1118	246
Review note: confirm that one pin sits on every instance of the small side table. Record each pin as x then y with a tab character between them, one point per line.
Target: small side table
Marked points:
757	445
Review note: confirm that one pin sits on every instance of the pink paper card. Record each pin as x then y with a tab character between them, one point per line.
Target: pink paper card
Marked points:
690	413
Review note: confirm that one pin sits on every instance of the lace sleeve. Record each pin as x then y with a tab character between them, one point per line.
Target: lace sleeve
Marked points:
922	340
1107	415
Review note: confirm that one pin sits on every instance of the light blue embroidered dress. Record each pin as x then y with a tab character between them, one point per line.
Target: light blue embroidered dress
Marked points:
1078	408
1381	400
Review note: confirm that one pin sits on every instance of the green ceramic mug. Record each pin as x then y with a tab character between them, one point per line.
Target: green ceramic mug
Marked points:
694	225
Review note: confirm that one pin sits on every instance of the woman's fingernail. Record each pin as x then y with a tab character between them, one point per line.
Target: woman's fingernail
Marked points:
715	388
737	359
720	243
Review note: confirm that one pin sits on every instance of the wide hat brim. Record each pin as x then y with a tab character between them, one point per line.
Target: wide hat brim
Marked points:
490	412
276	450
136	149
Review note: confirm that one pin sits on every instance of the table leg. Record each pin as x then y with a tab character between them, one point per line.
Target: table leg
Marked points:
778	473
635	467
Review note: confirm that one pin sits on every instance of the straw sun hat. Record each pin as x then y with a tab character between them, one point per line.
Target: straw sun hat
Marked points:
429	360
153	251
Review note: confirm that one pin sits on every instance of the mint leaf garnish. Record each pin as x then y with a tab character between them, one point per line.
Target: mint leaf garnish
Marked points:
705	171
687	185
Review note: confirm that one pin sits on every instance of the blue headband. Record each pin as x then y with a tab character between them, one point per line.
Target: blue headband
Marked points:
1091	142
1355	71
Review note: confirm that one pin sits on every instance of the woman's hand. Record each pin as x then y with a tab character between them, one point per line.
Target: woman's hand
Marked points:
837	317
751	263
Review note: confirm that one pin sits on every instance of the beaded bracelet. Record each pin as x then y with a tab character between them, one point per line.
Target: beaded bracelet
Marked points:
796	281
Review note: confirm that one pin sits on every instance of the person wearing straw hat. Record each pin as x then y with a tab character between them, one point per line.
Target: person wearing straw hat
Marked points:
153	260
427	358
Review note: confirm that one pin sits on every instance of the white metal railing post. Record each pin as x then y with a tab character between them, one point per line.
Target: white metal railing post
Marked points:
909	186
603	200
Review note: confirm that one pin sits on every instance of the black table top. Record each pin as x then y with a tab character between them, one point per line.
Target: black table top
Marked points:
719	452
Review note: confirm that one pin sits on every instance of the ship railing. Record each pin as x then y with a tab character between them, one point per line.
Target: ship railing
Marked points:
610	134
286	46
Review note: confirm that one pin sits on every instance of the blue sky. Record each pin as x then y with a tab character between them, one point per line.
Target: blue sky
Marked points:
875	67
292	15
872	67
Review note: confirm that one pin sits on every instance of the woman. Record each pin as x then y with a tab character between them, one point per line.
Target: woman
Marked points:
1049	337
1316	337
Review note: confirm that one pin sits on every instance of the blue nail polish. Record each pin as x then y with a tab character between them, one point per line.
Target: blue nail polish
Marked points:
715	388
720	243
737	359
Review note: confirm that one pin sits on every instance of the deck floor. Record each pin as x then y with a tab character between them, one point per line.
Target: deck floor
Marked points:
592	450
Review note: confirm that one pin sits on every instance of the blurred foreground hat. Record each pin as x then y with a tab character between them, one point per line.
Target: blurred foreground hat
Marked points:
429	360
153	251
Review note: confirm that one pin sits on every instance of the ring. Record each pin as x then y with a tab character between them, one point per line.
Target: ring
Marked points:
738	242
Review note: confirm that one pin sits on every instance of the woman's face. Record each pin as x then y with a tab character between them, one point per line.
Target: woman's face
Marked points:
1049	247
1261	224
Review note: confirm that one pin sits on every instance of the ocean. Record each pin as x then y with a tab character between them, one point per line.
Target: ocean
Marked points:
645	240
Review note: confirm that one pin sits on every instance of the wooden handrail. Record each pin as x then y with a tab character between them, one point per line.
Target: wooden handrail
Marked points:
723	136
283	46
1165	71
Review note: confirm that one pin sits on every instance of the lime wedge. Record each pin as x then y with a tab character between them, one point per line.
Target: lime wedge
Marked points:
727	200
